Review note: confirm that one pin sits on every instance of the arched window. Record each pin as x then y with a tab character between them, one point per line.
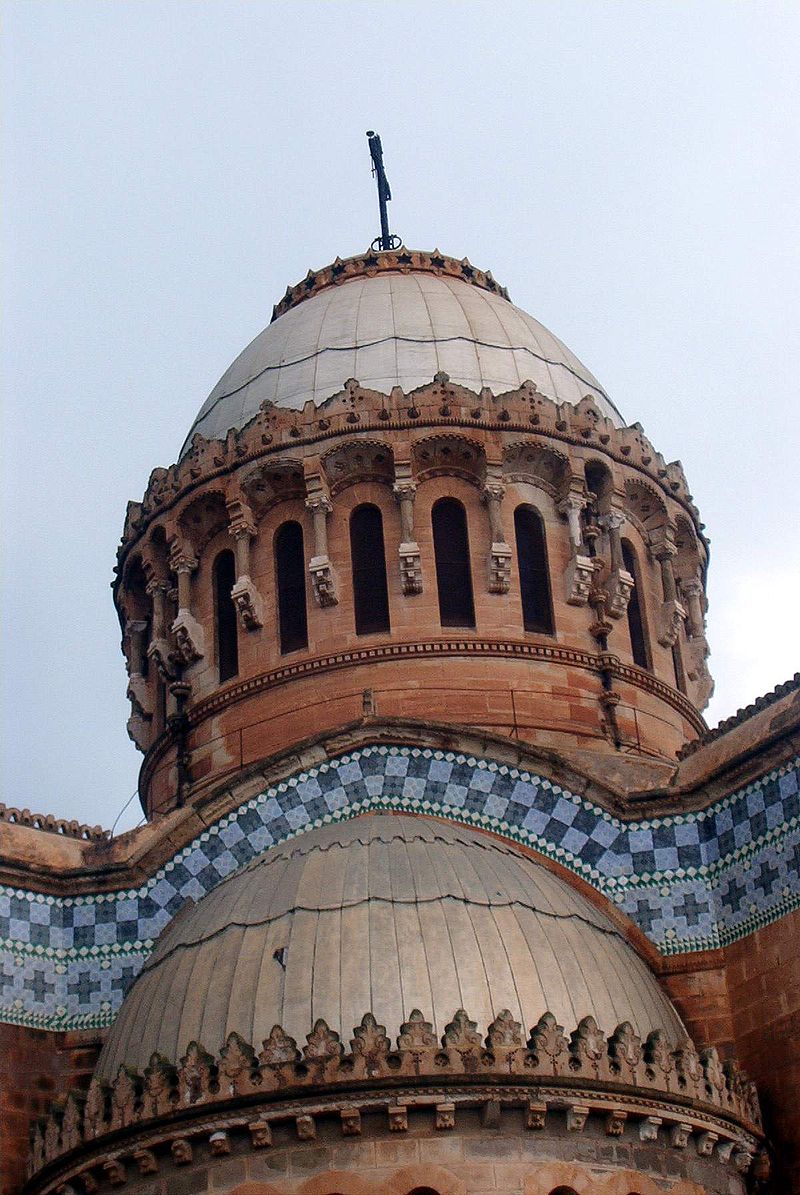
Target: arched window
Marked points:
290	575
453	574
635	616
534	577
225	615
370	591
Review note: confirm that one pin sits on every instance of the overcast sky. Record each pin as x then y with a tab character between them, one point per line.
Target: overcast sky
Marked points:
628	170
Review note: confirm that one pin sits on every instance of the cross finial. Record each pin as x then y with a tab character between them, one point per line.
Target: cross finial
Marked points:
385	240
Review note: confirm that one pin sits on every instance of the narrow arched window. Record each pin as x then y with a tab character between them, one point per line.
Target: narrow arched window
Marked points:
225	615
290	576
368	558
635	615
453	573
534	576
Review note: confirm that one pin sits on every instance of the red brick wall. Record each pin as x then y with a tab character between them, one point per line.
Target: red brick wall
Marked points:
35	1067
746	1001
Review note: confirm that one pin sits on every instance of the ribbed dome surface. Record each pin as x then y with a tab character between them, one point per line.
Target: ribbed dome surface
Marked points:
382	913
395	329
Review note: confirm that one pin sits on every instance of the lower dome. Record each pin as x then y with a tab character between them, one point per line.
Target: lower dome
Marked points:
386	914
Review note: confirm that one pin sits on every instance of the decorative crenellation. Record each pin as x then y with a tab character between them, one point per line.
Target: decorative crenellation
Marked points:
397	261
690	881
666	1088
50	824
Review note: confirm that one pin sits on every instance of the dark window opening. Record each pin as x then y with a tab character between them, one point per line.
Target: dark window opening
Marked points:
368	557
227	630
635	617
290	569
534	576
453	574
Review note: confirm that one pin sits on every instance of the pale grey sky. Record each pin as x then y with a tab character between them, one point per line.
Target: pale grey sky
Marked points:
628	170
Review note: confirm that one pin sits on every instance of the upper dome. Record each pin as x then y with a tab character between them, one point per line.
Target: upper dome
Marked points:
382	913
393	319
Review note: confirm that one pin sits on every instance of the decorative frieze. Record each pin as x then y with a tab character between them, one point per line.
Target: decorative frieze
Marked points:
578	1076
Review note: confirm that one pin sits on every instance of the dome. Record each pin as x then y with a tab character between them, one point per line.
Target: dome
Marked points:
382	913
389	324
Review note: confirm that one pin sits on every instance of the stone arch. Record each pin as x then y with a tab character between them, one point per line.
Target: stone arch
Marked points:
155	555
271	482
358	460
203	518
540	464
600	482
449	455
133	592
644	506
689	560
427	1177
334	1182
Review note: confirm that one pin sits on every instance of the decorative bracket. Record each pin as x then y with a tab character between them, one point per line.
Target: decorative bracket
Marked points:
578	579
499	568
323	580
619	587
670	620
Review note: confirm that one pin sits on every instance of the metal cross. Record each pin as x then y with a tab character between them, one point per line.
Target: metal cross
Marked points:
386	240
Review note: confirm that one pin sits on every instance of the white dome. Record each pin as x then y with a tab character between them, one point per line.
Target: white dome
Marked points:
390	328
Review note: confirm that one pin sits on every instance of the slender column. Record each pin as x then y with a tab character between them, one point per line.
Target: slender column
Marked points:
189	638
580	570
672	614
244	593
499	551
139	694
620	582
322	579
692	590
405	492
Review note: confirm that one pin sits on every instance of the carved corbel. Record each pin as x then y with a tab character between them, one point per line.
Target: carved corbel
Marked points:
244	594
499	551
619	585
323	581
405	492
580	570
189	637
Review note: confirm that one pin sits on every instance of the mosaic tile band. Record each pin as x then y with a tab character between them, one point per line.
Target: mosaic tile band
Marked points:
690	881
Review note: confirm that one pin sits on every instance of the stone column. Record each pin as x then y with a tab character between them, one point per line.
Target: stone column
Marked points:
244	593
189	637
580	570
620	582
692	590
697	650
323	581
672	613
158	651
499	551
139	695
405	492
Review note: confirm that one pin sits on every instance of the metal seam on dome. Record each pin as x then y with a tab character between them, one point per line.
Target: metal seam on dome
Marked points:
154	962
506	348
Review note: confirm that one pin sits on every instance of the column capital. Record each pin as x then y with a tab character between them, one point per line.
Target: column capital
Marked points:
319	502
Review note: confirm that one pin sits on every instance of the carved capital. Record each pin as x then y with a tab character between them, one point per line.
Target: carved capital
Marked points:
323	581
242	522
404	491
189	637
410	568
578	580
181	560
247	601
612	520
670	620
319	502
493	491
619	587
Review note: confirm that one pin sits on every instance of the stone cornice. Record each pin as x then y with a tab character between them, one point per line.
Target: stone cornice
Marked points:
438	406
619	1077
395	261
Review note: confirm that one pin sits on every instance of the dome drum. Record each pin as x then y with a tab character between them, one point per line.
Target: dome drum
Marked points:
403	454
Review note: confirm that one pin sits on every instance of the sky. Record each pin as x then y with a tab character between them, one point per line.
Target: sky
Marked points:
627	170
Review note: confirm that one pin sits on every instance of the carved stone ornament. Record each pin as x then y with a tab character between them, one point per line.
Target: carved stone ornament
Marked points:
247	601
695	656
619	587
159	654
670	619
410	568
499	568
189	637
323	582
578	580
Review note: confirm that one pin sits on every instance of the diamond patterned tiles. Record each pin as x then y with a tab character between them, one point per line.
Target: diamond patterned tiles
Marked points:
690	881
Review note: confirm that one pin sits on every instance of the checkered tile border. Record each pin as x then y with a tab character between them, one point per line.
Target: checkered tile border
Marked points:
690	881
